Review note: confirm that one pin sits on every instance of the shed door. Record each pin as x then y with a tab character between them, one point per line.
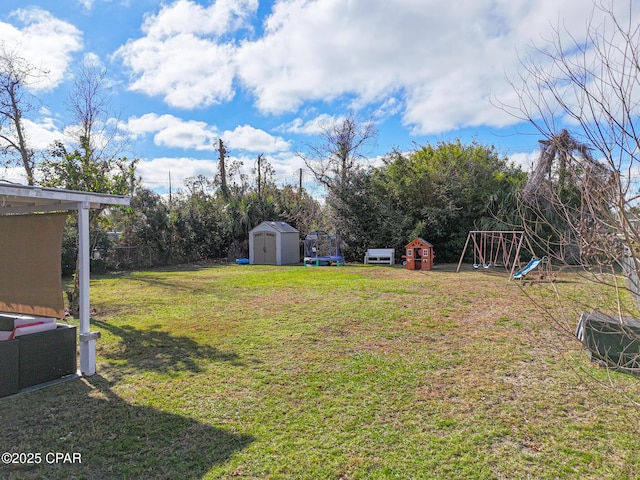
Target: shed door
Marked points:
264	248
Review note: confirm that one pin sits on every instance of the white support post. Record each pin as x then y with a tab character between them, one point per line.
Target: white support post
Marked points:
87	339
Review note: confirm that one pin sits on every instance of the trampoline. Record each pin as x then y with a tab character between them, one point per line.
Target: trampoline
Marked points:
322	250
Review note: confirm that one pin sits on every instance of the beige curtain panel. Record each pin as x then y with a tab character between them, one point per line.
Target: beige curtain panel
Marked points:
30	270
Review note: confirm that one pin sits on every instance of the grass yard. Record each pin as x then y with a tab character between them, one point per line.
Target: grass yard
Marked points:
353	372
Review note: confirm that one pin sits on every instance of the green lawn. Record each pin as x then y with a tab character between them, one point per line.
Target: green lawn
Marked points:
352	372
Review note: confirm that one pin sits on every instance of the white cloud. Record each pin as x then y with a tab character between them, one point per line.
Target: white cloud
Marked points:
447	58
390	107
186	135
439	63
13	175
186	16
171	131
325	49
92	60
314	126
525	160
86	4
156	172
148	123
43	133
187	71
47	42
287	167
246	137
174	132
180	58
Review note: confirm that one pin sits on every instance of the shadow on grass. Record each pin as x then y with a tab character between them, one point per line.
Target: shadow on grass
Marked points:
158	351
181	267
112	439
158	276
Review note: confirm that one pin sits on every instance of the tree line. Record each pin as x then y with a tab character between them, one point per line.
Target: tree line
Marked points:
438	192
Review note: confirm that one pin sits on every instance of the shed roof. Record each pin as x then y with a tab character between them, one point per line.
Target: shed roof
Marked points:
282	227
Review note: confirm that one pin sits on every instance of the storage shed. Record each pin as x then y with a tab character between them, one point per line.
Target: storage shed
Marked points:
274	243
419	255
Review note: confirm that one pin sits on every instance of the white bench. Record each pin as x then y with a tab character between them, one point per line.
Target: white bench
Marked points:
380	255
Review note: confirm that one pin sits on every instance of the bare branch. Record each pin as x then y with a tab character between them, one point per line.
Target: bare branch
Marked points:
580	203
96	128
16	74
342	146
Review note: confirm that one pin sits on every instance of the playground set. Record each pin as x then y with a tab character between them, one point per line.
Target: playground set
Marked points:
494	248
323	249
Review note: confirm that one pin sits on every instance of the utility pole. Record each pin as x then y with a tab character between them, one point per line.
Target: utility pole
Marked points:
222	152
300	186
259	175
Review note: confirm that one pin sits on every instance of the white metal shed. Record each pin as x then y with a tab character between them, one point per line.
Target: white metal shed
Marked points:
274	243
22	199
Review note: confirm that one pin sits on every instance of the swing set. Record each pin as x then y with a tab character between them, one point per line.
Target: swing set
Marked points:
492	248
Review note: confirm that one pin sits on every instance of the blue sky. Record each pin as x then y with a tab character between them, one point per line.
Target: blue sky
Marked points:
265	76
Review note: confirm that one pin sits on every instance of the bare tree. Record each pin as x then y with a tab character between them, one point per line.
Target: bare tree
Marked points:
95	126
92	161
16	74
580	200
88	106
342	143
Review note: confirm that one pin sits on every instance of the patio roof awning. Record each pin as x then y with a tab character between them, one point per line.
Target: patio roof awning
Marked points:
16	198
24	199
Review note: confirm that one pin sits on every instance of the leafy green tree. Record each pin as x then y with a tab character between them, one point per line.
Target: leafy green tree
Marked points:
77	170
338	164
145	228
441	192
198	223
354	214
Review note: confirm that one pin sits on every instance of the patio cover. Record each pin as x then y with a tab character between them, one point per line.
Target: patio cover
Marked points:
21	199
